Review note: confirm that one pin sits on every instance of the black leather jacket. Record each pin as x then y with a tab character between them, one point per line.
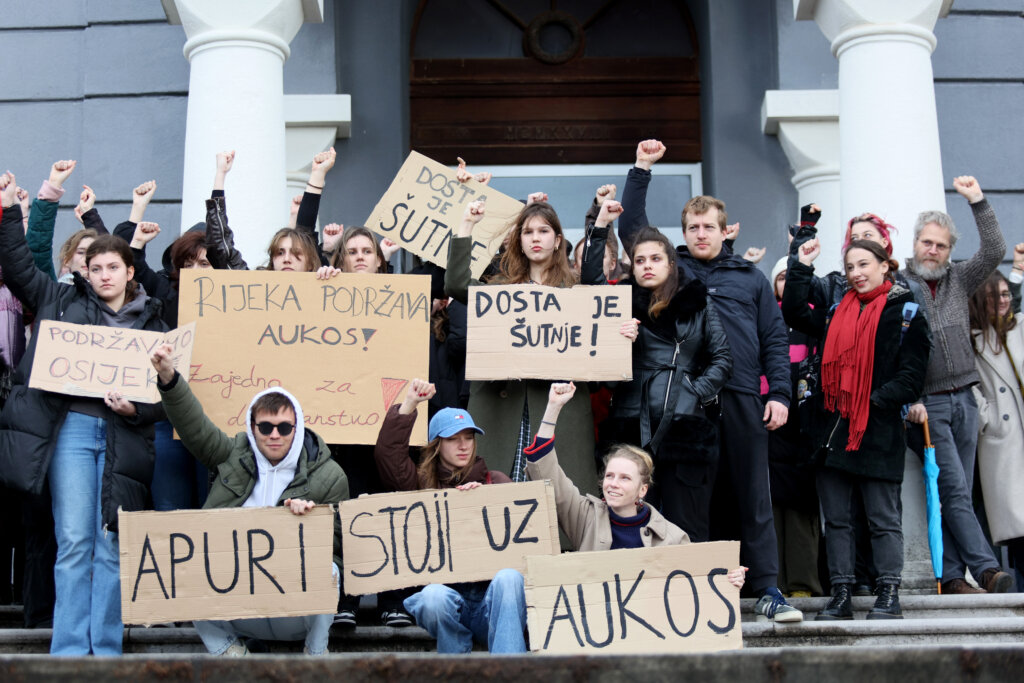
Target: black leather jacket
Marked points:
681	358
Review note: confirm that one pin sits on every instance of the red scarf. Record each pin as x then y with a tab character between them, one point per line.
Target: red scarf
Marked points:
849	358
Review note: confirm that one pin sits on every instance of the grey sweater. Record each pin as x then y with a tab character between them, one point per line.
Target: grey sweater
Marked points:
951	364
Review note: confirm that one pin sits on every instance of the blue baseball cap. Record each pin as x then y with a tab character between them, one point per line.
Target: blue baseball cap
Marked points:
449	422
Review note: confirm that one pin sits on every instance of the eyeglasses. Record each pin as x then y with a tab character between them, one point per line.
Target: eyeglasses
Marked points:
938	246
1005	295
267	428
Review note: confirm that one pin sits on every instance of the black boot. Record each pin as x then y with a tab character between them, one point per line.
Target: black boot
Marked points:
840	607
887	604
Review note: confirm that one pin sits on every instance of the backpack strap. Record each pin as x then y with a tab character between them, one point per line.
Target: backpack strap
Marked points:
909	311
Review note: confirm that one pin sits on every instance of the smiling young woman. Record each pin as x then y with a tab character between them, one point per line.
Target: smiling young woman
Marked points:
510	411
871	366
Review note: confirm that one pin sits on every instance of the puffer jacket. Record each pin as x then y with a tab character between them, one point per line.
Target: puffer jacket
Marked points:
897	378
681	360
317	477
32	419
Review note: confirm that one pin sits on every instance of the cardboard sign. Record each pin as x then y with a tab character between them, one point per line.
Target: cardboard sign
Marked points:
425	203
394	540
537	332
232	563
346	347
90	360
665	599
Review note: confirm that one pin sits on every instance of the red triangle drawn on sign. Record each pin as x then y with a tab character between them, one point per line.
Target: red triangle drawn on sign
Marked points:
391	388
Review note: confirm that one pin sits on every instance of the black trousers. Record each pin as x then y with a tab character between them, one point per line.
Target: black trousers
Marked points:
39	593
741	502
682	492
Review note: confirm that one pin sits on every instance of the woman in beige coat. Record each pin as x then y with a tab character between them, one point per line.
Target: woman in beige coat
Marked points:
999	355
621	519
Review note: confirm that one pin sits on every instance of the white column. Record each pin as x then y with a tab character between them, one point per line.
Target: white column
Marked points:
236	50
807	124
888	129
312	124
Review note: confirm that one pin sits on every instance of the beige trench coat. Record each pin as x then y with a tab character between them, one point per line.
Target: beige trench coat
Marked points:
1001	435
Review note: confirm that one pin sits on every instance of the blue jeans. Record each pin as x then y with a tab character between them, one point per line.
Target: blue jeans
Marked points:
492	613
315	629
953	424
87	614
180	482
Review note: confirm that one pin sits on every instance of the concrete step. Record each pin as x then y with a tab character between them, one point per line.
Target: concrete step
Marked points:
985	605
381	639
893	664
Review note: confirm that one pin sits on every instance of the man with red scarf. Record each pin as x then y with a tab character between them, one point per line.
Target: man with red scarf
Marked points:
948	403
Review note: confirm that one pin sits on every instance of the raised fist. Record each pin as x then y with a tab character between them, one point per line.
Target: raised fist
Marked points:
969	188
474	212
610	210
649	152
535	197
60	171
225	160
144	192
8	189
605	192
324	161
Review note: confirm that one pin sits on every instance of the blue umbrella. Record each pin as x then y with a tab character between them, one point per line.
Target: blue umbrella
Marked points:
931	490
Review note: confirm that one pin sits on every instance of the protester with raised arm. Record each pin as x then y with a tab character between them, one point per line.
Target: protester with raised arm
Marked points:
360	253
948	402
276	460
509	411
873	363
96	454
622	517
492	613
759	346
681	361
290	248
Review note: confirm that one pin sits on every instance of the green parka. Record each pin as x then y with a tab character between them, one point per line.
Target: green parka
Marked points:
317	477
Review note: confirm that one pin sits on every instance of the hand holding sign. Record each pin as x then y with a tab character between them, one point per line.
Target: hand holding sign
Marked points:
119	404
299	506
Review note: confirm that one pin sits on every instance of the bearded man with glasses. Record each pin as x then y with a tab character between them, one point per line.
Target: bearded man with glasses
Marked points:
948	403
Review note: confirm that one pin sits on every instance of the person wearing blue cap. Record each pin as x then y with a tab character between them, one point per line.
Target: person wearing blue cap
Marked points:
490	612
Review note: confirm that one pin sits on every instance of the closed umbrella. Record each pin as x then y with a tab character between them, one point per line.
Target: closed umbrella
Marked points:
931	489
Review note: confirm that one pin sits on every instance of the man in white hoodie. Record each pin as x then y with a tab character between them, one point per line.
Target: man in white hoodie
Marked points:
275	461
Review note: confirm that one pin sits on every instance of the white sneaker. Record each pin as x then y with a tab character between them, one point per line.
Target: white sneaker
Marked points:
236	649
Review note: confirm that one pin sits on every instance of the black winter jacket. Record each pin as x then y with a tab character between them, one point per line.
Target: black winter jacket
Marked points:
742	297
32	419
897	378
681	361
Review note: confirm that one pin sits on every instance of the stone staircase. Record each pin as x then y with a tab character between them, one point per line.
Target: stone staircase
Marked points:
945	620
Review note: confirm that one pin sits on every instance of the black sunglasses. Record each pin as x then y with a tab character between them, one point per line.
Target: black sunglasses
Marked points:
267	428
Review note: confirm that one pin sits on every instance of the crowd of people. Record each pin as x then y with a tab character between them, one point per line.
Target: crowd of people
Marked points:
774	411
